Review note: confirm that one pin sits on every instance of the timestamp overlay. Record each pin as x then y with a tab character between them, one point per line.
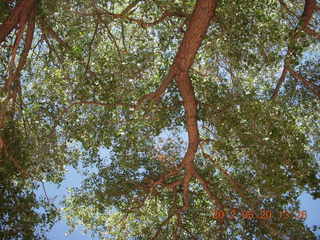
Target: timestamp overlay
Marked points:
262	214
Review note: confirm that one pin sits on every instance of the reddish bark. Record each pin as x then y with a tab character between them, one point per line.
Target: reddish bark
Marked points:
22	10
309	7
198	25
28	44
307	84
25	18
14	76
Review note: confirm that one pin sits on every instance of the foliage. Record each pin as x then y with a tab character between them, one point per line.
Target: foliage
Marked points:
22	214
114	85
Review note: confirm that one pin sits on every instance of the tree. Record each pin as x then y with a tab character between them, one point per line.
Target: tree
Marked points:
122	75
23	215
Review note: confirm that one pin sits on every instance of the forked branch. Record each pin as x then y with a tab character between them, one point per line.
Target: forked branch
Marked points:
197	27
22	10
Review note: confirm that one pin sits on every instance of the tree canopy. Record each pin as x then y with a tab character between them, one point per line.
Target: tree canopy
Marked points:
192	119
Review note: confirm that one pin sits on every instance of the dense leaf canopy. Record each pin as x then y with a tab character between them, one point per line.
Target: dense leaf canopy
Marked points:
177	112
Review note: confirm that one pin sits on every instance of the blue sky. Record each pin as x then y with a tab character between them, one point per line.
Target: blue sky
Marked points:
56	194
313	210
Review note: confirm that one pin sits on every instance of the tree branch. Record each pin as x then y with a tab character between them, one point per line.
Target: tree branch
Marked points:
90	48
198	25
124	15
205	184
48	30
311	86
279	83
199	22
23	59
23	9
312	32
309	8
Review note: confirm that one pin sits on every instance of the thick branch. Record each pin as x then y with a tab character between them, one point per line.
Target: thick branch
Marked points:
197	28
199	22
21	10
26	50
19	35
198	25
309	7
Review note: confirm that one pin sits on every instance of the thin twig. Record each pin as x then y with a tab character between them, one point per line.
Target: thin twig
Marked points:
90	48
